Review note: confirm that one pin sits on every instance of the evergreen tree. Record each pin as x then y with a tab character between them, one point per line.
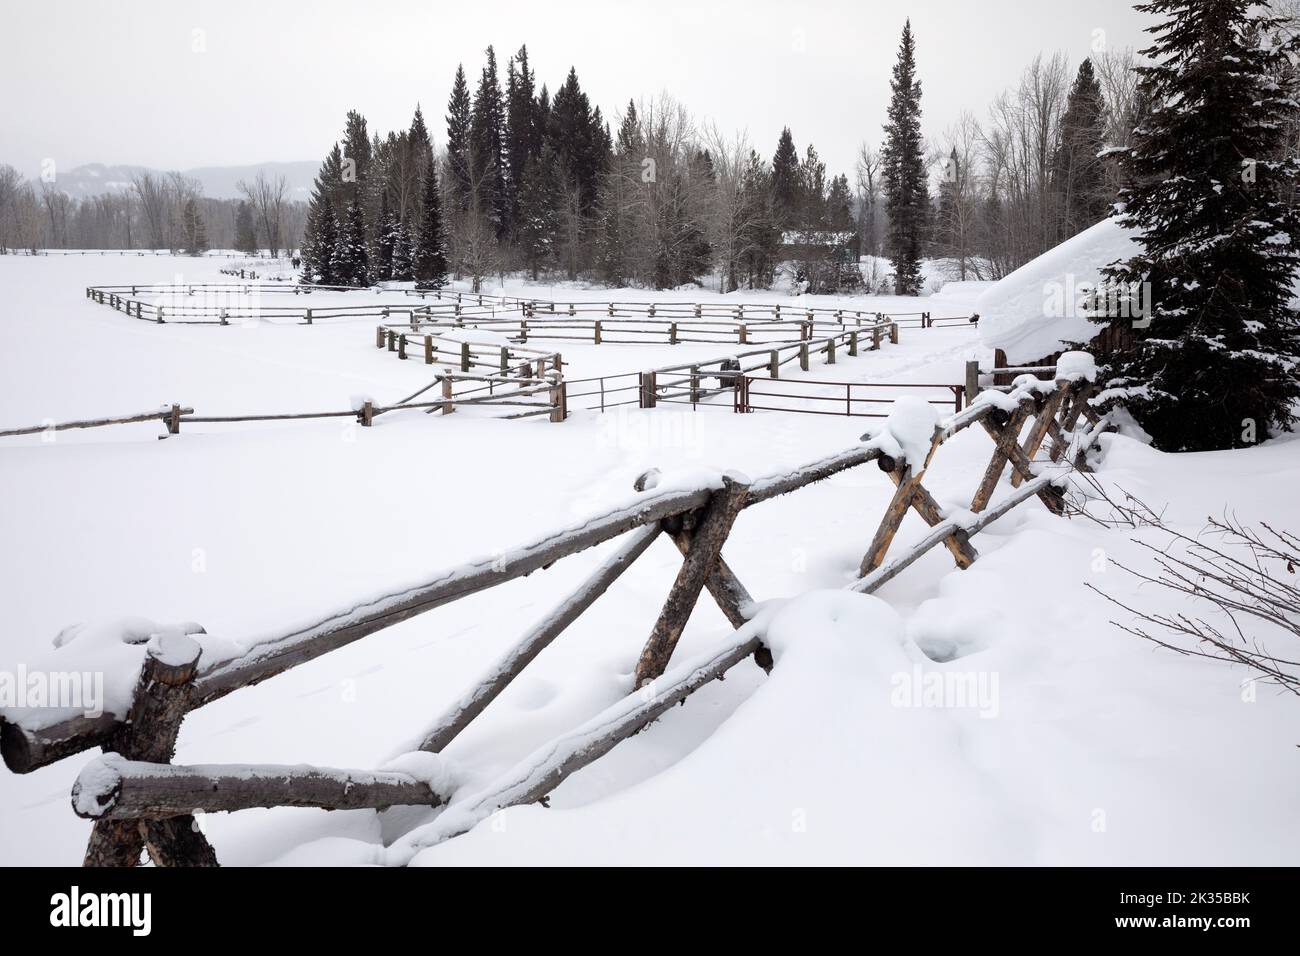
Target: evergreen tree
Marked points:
903	164
419	145
193	230
245	231
785	181
539	209
324	249
385	242
487	157
458	144
522	134
1078	174
320	234
402	270
1215	360
351	259
429	257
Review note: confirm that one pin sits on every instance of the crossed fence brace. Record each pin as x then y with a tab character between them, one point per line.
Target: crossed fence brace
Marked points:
139	800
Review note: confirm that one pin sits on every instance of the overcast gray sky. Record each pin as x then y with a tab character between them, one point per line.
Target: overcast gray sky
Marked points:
130	81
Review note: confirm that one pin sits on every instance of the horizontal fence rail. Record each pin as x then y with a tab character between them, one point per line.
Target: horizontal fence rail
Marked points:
138	800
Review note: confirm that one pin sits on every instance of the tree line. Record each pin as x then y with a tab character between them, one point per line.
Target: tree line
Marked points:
157	211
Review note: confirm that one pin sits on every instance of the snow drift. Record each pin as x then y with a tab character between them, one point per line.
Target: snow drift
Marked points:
1034	311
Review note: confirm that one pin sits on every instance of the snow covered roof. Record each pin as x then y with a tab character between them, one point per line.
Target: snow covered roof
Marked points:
1034	311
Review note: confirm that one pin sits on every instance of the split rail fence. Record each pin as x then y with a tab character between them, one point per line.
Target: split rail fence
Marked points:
138	799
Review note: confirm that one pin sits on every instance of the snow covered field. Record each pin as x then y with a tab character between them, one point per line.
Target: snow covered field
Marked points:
1093	747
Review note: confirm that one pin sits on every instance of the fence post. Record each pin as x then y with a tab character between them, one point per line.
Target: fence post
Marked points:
174	420
392	341
830	351
379	336
446	395
309	316
972	382
893	333
401	346
505	360
162	696
672	333
160	315
853	343
559	401
695	384
774	364
743	332
523	331
596	332
367	416
464	356
803	356
428	350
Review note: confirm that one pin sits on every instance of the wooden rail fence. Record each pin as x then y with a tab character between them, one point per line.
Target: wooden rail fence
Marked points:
139	800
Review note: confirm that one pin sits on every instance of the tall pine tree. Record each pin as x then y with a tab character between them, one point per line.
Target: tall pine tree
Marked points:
429	258
1078	174
320	234
1214	364
785	181
486	154
351	258
458	146
903	163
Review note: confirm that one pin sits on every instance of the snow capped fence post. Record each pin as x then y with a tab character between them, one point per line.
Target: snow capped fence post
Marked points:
174	420
464	357
149	733
401	346
379	336
803	356
447	407
893	333
710	532
428	350
853	343
972	382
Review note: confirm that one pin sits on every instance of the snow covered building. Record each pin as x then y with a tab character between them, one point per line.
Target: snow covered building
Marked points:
1030	316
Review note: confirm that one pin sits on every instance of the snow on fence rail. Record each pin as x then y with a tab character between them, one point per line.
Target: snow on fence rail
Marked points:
139	800
542	394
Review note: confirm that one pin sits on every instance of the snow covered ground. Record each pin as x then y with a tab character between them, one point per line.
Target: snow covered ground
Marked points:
1087	745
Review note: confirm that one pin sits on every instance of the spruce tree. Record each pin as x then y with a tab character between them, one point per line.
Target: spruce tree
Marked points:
785	181
324	248
1216	351
458	145
903	164
486	154
539	209
382	268
245	232
320	234
1078	174
351	259
402	270
429	257
194	233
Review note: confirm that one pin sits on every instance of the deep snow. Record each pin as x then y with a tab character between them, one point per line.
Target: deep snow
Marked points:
1085	746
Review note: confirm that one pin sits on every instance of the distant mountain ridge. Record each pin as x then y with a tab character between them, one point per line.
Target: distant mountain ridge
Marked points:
95	179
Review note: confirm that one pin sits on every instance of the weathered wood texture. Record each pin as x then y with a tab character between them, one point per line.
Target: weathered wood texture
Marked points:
162	696
126	790
706	543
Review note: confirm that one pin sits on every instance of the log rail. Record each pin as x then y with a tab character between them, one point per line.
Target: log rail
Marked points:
139	800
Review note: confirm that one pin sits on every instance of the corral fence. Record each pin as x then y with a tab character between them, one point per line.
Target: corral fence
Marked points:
139	800
525	394
618	322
